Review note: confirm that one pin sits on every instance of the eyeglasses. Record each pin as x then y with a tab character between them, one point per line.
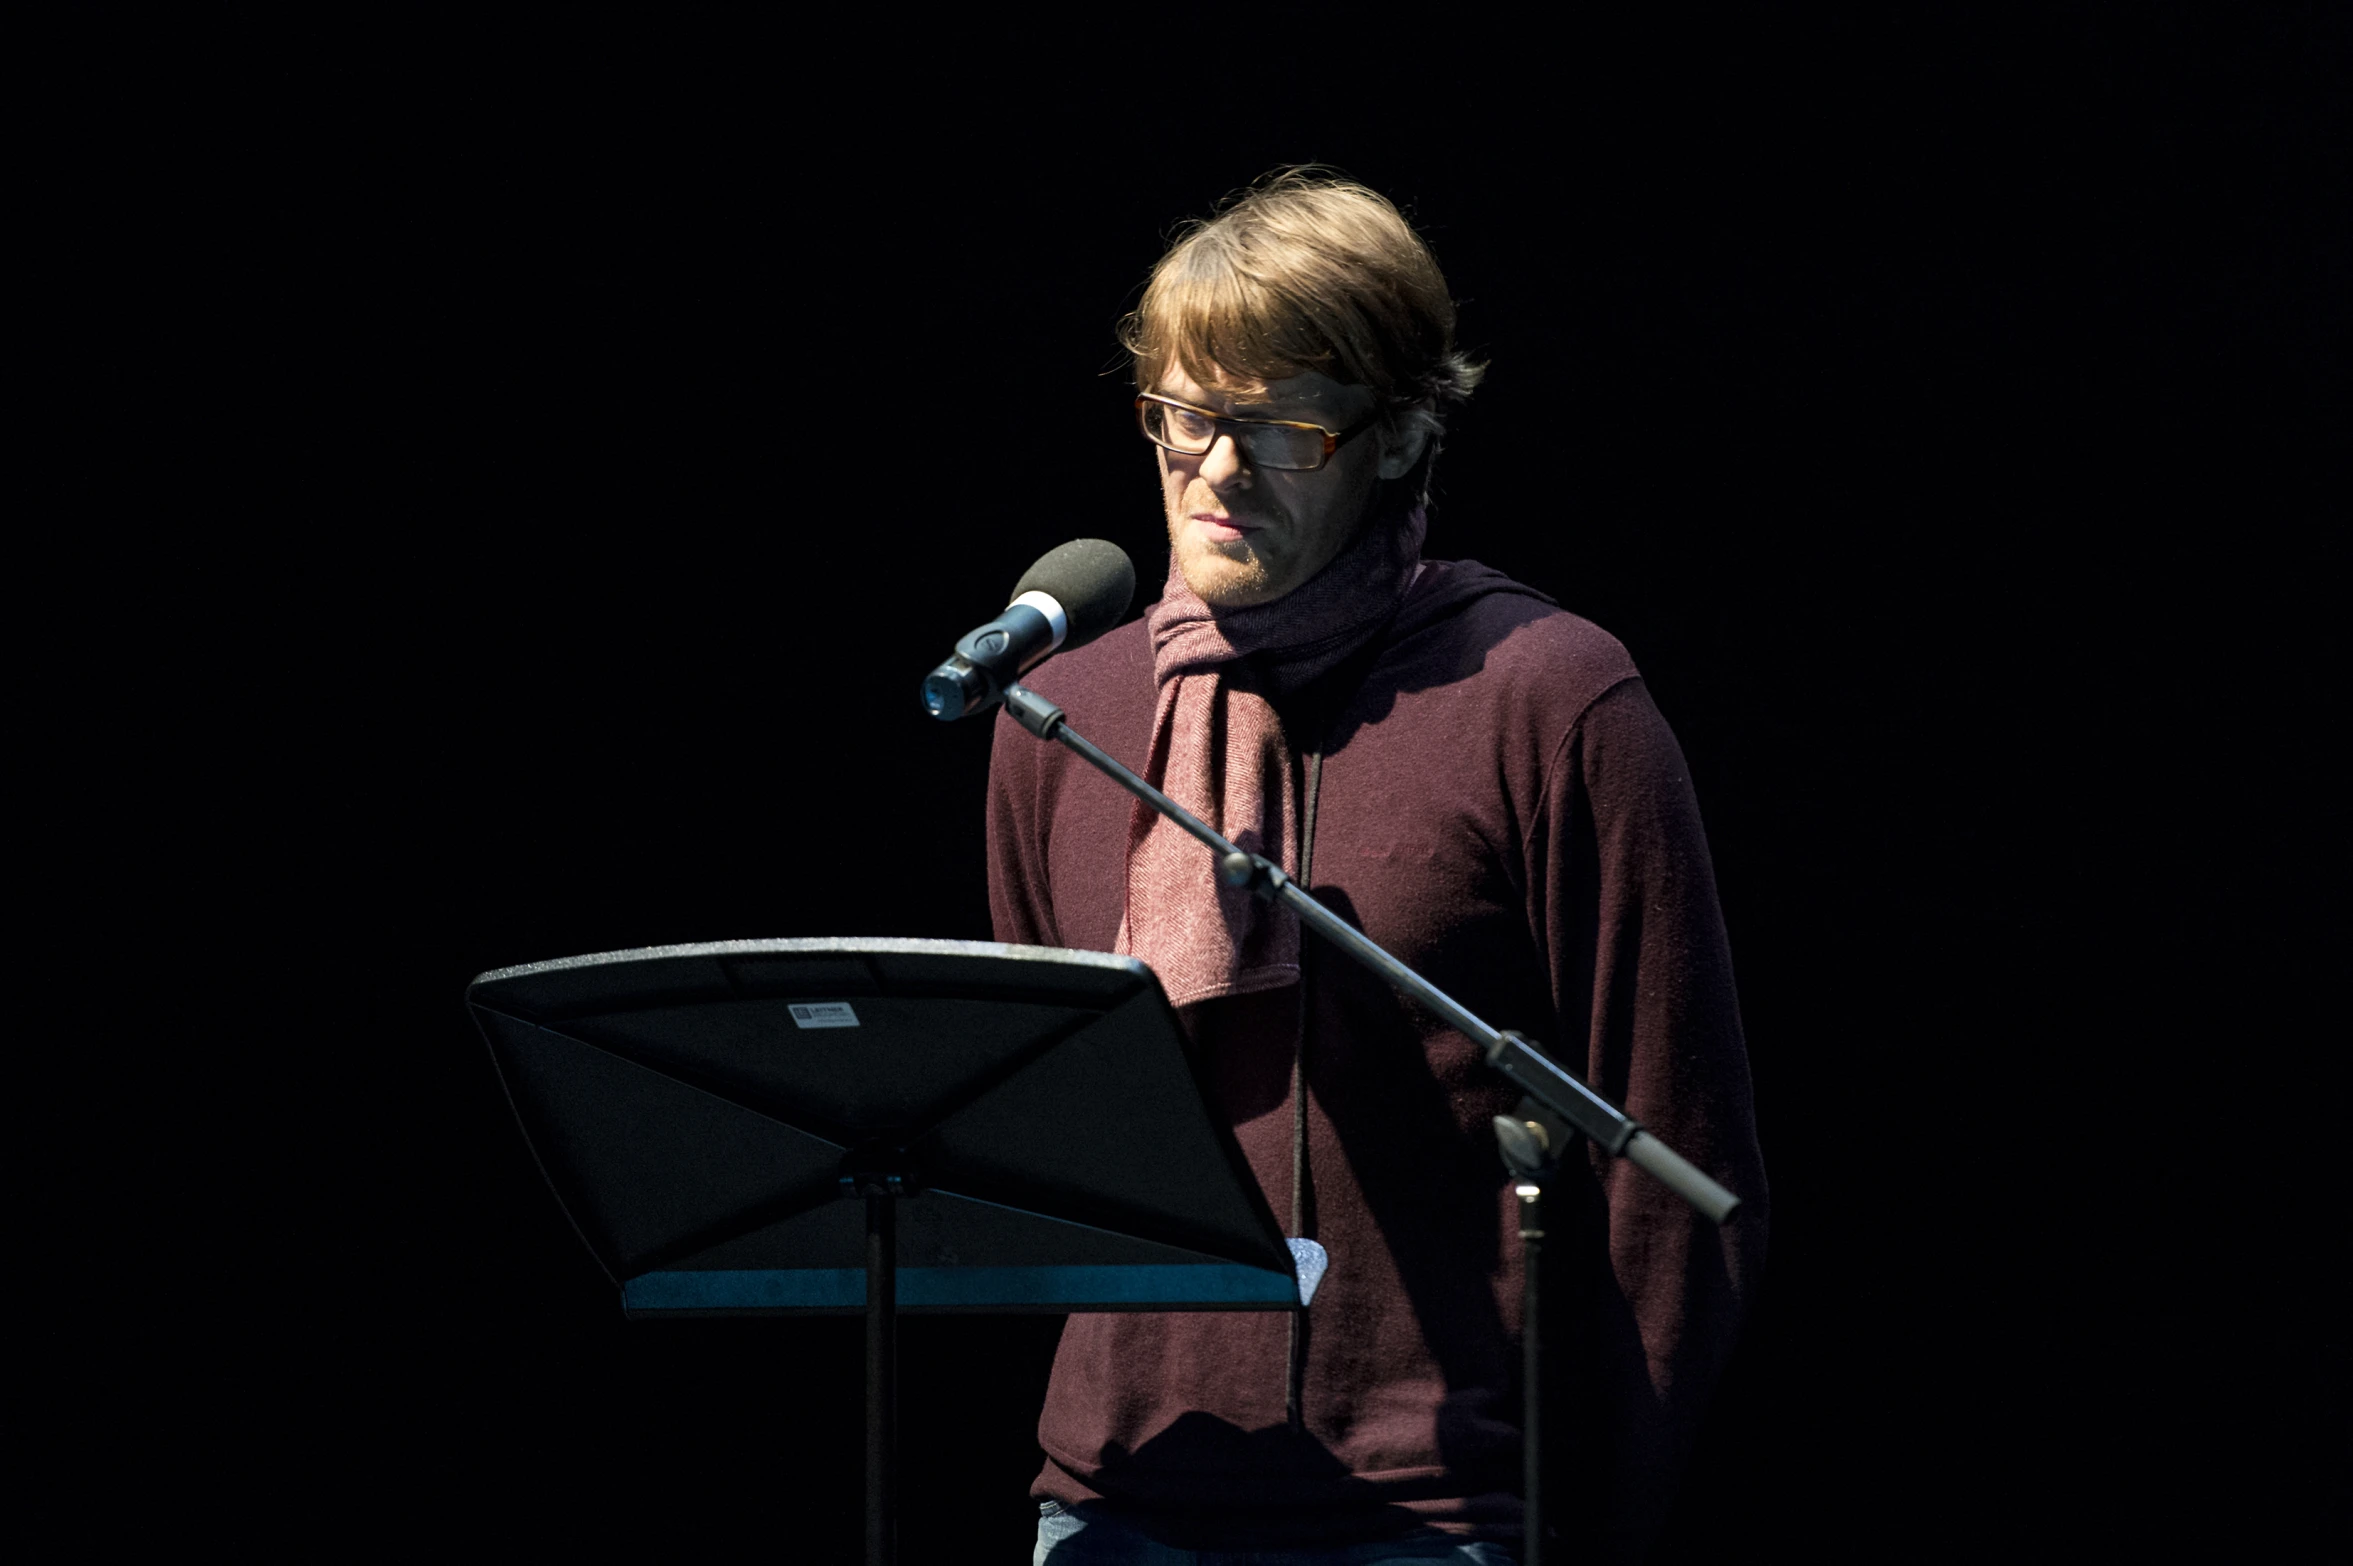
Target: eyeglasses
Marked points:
1267	443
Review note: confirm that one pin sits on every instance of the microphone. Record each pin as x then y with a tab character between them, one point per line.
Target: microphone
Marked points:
1075	593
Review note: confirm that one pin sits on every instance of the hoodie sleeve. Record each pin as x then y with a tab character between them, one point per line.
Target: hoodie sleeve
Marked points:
1021	907
1625	900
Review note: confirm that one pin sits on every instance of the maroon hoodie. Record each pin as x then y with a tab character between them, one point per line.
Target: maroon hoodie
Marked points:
1500	806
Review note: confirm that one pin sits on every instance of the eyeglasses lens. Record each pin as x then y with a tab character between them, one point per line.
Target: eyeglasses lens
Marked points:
1179	429
1272	446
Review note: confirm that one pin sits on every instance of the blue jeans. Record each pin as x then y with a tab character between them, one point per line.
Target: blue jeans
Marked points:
1093	1535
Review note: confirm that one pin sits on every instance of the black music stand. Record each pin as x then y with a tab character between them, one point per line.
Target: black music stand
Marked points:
702	1112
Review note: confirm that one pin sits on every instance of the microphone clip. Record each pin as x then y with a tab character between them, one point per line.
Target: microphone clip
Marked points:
990	658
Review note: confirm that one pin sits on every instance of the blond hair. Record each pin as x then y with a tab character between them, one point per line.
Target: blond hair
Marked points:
1301	272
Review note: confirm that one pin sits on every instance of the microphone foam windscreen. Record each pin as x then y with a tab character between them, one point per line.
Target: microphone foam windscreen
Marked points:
1091	579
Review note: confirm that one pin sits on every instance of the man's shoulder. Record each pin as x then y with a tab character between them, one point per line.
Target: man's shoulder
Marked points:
1542	637
1512	643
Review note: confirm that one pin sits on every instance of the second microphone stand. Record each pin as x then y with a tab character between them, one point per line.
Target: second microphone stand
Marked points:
1534	1072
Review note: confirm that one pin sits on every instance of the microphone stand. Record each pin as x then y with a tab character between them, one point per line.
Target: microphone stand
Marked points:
1516	1057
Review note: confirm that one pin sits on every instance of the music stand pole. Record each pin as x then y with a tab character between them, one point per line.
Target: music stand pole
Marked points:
882	1379
876	1176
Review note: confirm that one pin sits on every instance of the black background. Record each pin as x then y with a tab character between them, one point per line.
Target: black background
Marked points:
1947	414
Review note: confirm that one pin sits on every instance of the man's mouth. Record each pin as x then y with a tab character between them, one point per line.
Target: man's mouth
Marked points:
1221	528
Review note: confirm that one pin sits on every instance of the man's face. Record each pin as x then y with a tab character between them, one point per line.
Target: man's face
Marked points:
1246	535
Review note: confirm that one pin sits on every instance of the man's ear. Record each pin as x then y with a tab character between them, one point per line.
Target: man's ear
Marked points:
1400	452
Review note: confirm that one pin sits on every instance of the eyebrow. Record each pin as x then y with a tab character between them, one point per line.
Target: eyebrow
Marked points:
1263	410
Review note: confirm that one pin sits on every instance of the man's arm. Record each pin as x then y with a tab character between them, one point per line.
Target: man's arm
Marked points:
1021	907
1624	897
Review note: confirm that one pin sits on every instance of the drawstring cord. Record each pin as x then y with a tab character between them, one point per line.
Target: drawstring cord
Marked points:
1297	1384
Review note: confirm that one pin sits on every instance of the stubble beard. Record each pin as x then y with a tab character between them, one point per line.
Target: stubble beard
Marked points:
1221	580
1234	575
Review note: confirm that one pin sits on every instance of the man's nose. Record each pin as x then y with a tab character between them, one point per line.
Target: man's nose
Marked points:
1223	466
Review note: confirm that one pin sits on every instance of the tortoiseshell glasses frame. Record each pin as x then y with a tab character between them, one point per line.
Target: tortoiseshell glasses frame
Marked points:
1287	444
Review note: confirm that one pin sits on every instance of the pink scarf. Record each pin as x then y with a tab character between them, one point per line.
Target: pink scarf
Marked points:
1219	750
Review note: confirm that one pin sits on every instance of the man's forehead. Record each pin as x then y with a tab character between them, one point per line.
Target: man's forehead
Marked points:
1308	391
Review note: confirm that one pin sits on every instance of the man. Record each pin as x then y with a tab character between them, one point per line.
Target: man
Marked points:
1479	781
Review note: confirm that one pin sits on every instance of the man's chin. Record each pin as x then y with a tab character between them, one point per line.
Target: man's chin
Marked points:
1227	581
